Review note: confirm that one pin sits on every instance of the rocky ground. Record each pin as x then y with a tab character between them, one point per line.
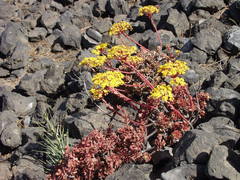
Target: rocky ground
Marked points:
42	42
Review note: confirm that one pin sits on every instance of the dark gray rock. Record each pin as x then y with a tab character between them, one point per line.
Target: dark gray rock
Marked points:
199	16
67	2
167	37
133	14
187	5
83	122
189	171
94	34
164	9
88	42
224	127
82	8
184	44
120	17
71	37
223	164
100	7
210	5
11	135
177	22
133	172
217	79
116	7
18	73
4	89
82	22
21	105
76	102
223	102
211	23
30	82
65	20
10	37
221	94
57	48
7	118
41	64
37	34
195	147
54	79
41	109
208	40
197	75
198	56
19	57
191	76
233	82
77	128
53	37
162	157
31	20
233	66
57	6
4	72
232	40
49	19
28	168
102	24
7	11
5	169
31	136
234	9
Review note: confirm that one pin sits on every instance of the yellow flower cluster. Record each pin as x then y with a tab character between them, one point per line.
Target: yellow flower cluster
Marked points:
173	68
164	92
93	61
134	59
147	10
121	51
103	80
177	82
99	48
119	27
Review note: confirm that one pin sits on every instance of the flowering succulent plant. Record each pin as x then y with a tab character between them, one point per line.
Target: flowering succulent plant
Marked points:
154	89
148	10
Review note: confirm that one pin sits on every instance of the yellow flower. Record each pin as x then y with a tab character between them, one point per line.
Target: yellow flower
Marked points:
98	93
173	68
93	61
119	28
103	80
177	51
121	51
177	82
164	92
99	48
134	59
147	10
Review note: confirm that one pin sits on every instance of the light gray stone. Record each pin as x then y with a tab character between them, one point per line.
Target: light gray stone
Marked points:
223	164
208	40
21	105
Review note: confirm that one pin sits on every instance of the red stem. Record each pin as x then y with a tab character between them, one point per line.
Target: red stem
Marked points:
125	98
142	77
131	39
113	109
115	69
189	96
177	112
134	85
157	32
